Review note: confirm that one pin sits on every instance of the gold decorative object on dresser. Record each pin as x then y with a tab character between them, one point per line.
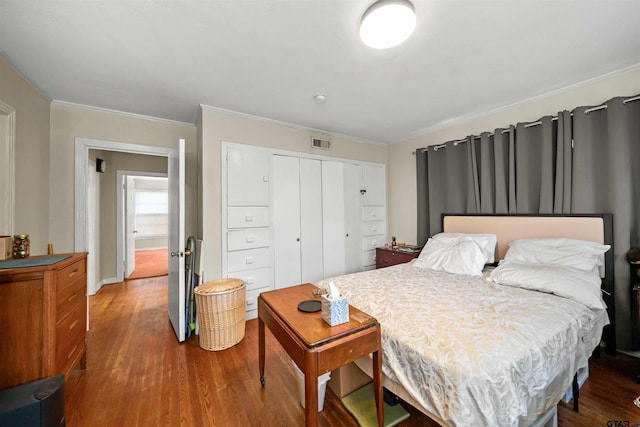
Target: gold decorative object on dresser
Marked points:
43	315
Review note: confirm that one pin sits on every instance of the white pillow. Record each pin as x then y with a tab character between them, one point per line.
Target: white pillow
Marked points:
459	256
558	251
567	282
486	241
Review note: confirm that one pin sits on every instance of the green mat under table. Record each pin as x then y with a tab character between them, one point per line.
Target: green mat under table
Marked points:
362	405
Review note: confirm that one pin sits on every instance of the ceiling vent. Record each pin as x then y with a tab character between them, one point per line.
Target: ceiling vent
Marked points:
323	144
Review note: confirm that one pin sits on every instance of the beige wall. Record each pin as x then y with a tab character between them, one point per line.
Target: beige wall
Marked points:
69	122
31	157
401	170
216	127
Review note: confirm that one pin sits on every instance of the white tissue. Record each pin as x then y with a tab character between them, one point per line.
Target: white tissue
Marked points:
333	290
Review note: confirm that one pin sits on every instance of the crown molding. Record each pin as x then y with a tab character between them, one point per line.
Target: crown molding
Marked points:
315	131
121	113
471	117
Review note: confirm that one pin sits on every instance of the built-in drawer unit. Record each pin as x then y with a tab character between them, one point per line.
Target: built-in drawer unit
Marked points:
258	278
247	216
248	259
372	242
247	238
371	213
373	228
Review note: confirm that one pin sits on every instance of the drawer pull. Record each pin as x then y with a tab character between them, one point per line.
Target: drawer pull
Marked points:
248	218
250	280
73	350
73	296
374	228
249	239
73	325
374	243
73	273
265	179
251	302
374	213
248	260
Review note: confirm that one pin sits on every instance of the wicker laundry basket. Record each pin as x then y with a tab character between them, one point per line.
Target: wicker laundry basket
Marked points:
220	305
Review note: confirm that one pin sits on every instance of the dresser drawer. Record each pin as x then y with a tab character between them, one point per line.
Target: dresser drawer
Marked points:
70	296
372	242
248	238
70	274
254	279
248	259
373	228
70	334
245	217
387	258
372	213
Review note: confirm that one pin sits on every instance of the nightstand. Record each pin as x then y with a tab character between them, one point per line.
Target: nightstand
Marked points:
386	257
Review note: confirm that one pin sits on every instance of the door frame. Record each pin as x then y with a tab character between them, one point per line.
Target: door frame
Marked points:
83	227
7	164
121	240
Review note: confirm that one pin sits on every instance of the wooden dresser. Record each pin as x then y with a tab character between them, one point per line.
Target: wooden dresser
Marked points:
386	257
43	316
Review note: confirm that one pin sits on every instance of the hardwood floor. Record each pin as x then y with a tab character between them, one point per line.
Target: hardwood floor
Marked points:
138	374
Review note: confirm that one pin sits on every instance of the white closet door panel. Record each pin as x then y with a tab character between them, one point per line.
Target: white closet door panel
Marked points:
373	228
286	221
353	227
370	213
247	177
260	278
247	217
333	226
373	181
247	238
249	259
372	242
311	221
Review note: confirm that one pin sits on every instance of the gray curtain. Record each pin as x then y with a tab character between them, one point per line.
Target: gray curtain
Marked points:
522	169
606	178
532	168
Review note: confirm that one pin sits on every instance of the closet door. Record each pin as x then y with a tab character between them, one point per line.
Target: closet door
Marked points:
247	177
374	182
311	220
333	232
286	221
353	224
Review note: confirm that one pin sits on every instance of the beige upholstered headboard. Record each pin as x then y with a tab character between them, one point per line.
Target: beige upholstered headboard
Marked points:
596	228
509	228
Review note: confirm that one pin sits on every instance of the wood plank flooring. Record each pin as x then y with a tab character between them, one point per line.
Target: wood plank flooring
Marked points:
139	375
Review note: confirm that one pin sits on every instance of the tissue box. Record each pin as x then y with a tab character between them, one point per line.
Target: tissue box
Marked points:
335	311
6	247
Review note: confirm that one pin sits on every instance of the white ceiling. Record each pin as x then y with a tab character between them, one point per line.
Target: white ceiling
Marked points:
163	58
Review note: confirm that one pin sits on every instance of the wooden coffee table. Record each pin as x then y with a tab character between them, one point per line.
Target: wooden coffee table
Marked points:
316	347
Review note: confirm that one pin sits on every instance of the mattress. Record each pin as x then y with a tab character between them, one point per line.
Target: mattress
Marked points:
472	352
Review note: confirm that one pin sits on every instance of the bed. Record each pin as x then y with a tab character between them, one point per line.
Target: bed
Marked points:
466	350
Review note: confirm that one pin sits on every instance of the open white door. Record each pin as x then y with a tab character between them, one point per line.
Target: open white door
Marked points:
130	226
177	240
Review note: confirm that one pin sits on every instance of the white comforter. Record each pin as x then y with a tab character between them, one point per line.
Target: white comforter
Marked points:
471	352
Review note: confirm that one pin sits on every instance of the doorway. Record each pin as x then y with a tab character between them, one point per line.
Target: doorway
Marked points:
142	224
86	228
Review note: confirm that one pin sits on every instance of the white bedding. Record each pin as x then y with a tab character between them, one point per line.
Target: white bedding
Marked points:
472	352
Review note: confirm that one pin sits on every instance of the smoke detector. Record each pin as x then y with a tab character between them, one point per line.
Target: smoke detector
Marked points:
320	98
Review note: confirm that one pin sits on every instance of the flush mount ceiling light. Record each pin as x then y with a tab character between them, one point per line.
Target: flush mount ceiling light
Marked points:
387	23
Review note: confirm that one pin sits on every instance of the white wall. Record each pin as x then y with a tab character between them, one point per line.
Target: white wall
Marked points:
401	170
216	126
